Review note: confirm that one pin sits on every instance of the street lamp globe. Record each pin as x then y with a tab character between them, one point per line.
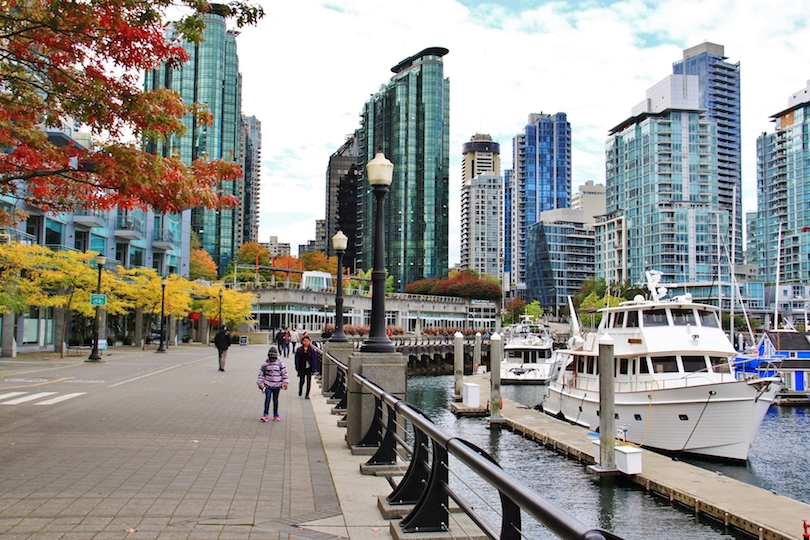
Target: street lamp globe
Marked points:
340	242
380	171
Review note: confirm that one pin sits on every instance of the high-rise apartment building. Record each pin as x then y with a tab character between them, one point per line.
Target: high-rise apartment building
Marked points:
662	203
783	187
719	97
540	180
251	151
342	175
408	119
482	207
211	76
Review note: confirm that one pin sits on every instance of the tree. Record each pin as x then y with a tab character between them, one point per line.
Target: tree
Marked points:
315	260
534	310
514	309
249	255
201	265
82	60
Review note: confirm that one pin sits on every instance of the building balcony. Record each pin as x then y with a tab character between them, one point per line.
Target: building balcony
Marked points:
128	228
90	219
163	240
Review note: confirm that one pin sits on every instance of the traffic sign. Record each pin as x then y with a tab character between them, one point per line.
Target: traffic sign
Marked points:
98	299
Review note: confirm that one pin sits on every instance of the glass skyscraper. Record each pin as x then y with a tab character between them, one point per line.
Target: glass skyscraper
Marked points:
408	119
211	77
662	194
719	96
540	180
783	194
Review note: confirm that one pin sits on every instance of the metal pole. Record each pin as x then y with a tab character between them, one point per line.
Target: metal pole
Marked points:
219	315
377	341
162	346
95	356
339	336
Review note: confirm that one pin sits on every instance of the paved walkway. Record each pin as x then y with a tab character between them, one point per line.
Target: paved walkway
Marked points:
163	446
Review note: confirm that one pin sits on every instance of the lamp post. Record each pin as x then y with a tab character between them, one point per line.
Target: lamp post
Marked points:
219	315
163	282
380	174
340	241
94	355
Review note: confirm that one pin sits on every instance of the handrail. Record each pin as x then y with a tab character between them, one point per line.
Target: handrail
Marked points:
431	510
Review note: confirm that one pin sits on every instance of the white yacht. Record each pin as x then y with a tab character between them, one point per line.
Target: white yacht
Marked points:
528	354
675	389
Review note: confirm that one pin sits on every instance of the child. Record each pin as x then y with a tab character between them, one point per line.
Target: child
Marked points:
272	378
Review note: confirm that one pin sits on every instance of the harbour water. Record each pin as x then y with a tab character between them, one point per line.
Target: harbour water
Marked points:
776	464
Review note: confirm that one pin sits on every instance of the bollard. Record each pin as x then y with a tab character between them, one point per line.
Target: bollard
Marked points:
458	358
607	405
476	351
495	354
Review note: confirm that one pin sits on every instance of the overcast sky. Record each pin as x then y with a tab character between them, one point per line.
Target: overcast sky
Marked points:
310	65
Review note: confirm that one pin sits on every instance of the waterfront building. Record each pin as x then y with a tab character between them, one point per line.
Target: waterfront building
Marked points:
276	248
482	207
590	198
540	180
251	141
211	77
560	257
719	97
409	120
662	208
342	175
783	189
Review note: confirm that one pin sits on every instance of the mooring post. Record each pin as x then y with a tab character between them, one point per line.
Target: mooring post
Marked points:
495	352
458	359
477	352
607	405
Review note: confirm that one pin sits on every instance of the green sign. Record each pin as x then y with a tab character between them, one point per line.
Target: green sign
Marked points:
98	299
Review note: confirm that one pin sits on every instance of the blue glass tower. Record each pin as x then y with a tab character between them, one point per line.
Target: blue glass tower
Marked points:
540	180
719	96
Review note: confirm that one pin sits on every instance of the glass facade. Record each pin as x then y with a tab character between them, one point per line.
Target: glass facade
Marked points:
409	121
540	180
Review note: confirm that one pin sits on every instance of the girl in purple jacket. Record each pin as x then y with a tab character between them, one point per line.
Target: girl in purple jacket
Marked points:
272	378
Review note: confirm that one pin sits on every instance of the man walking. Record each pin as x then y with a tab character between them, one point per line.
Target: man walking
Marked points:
222	341
293	338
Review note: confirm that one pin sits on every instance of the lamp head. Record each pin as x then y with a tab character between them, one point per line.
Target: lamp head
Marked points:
164	281
101	259
380	171
220	294
340	241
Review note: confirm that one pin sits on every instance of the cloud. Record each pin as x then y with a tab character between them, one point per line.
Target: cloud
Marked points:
309	67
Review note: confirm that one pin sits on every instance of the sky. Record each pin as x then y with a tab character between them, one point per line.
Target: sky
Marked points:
309	66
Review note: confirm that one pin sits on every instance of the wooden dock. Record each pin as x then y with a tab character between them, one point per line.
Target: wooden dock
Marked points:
754	510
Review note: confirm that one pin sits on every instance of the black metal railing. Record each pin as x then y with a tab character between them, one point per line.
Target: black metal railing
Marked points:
401	432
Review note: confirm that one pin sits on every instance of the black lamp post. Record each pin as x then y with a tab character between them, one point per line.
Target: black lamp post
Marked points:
94	355
340	241
380	174
219	316
163	282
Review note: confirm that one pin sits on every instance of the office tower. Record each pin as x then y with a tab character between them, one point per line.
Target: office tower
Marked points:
561	257
590	198
251	152
211	77
342	175
408	119
662	210
719	97
540	180
276	248
783	187
482	207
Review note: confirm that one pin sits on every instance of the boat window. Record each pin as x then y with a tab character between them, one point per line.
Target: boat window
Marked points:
580	364
708	318
720	364
683	317
655	317
633	366
569	366
664	364
618	319
643	366
693	363
624	366
591	365
632	319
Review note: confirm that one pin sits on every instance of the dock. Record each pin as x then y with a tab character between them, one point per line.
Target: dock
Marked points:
751	509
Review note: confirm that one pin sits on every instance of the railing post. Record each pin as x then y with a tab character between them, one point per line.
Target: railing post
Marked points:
431	512
410	488
341	351
386	370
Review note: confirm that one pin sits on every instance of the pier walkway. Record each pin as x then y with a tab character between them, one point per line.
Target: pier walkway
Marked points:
165	447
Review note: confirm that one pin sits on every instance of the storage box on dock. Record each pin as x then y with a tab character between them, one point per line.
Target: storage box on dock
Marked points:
471	395
628	458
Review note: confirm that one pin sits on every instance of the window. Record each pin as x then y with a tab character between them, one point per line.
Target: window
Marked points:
655	317
643	366
624	366
665	364
632	319
708	318
683	317
618	319
693	363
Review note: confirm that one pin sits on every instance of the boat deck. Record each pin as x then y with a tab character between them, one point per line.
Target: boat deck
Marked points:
748	508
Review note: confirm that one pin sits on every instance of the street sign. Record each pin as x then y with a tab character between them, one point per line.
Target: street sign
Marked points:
98	299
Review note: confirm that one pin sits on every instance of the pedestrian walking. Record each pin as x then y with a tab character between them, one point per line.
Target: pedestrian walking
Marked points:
279	339
287	343
222	341
272	379
294	339
306	363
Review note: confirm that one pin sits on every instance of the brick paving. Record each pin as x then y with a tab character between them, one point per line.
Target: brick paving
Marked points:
162	446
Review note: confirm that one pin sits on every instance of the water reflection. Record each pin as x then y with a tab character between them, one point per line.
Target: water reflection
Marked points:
616	506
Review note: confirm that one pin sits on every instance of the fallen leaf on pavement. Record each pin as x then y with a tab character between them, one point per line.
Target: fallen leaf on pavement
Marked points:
130	530
375	529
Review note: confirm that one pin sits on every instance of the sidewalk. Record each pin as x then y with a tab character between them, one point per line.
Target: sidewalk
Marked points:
164	447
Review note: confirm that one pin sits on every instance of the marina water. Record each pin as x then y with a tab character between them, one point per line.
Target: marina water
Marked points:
777	463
